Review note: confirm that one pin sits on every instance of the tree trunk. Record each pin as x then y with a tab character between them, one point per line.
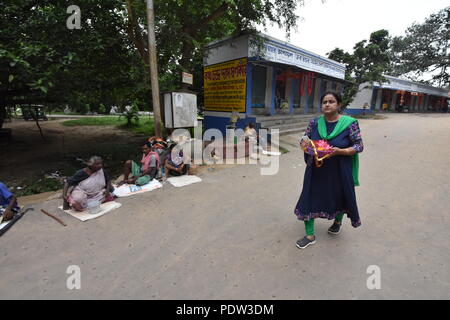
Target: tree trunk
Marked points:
36	118
190	31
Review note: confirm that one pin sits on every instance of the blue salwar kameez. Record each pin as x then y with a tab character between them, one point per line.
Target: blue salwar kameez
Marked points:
329	191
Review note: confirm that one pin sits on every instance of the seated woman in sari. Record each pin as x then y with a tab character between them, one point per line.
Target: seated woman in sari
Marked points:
176	164
144	173
88	185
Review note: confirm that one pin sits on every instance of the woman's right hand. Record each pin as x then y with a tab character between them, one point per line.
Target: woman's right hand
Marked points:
303	145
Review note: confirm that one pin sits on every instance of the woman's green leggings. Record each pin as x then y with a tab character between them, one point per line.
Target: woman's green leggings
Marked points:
309	225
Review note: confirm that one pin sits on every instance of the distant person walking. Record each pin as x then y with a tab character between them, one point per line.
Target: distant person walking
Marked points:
329	191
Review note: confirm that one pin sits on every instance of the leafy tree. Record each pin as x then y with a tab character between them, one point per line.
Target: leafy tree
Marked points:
424	49
131	113
106	61
184	27
42	61
369	60
102	109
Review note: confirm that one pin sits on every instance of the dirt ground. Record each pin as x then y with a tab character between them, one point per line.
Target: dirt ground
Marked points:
31	157
232	236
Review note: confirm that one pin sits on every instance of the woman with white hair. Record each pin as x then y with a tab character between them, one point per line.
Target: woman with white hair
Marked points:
88	185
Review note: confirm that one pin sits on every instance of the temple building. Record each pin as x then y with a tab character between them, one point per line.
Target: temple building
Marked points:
271	83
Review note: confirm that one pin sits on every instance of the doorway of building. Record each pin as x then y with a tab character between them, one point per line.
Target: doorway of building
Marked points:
281	99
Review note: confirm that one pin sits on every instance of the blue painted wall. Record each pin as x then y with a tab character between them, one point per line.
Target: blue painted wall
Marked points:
274	92
221	123
248	110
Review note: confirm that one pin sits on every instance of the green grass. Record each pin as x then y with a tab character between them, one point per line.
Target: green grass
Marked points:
65	114
96	121
282	150
40	186
144	126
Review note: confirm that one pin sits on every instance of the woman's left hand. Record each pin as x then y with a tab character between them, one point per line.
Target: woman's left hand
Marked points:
337	152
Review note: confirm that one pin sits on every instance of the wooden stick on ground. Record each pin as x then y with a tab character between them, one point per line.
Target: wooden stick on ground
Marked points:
52	216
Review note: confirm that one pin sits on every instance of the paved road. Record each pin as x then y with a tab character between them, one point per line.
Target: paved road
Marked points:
233	235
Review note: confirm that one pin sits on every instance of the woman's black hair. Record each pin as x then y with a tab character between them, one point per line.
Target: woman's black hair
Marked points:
336	95
172	145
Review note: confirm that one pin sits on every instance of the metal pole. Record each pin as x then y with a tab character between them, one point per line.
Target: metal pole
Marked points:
153	67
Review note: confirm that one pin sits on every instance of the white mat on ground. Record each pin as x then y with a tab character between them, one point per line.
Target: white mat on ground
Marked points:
183	180
4	224
127	190
271	153
85	215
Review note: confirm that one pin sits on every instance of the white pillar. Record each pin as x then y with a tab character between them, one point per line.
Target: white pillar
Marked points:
290	97
305	94
425	103
393	100
317	95
379	99
269	84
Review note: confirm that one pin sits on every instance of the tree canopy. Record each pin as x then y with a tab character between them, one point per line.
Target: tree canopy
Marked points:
368	62
424	49
105	62
42	61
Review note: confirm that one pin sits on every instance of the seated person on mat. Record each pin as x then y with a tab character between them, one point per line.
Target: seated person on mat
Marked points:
87	185
161	147
8	203
144	173
175	164
253	137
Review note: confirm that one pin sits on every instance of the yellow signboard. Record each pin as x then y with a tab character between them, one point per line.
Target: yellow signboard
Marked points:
225	87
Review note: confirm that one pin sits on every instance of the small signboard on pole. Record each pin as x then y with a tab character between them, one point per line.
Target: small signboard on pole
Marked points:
187	78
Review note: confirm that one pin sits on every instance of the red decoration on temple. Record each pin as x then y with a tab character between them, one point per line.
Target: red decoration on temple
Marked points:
302	84
310	82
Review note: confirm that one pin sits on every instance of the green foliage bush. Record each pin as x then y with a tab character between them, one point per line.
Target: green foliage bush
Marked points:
40	186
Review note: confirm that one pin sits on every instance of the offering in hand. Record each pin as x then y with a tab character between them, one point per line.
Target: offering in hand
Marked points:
319	149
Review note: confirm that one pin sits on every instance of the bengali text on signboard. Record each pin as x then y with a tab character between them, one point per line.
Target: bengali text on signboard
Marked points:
225	86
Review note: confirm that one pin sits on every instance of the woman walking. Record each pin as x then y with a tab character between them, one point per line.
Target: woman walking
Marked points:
329	191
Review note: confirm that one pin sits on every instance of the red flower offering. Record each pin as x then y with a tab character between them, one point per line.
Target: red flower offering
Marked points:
323	148
320	149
